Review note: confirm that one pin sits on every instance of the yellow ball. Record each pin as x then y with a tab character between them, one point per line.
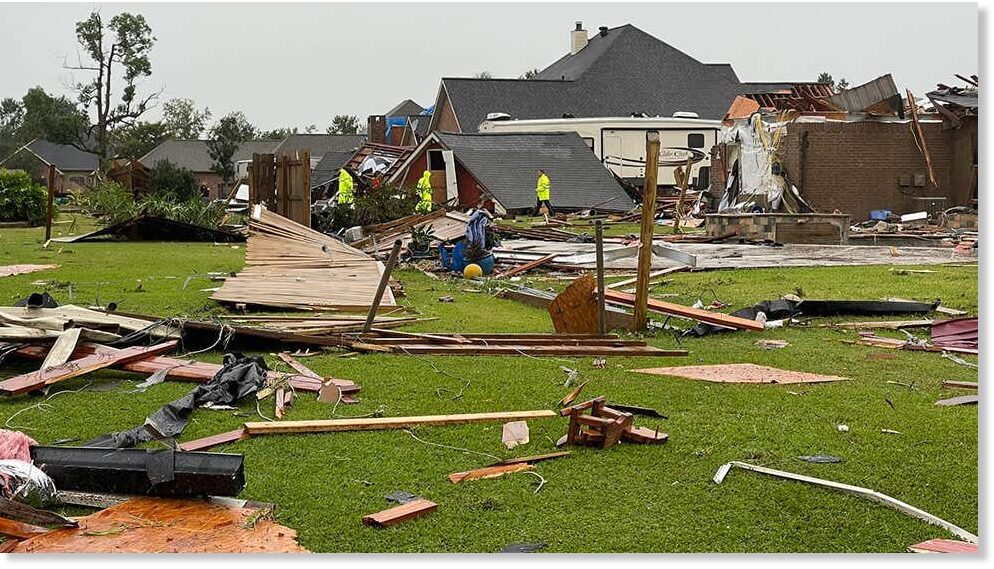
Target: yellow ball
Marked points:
472	271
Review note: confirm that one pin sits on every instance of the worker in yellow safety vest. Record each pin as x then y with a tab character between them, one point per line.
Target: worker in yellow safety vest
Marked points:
345	195
543	194
424	193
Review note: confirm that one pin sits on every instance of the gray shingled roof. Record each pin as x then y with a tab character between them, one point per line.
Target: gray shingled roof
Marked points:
626	71
320	144
405	108
64	156
327	169
193	154
507	165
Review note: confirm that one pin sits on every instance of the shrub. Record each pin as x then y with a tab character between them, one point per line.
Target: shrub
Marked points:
107	201
111	203
170	179
21	199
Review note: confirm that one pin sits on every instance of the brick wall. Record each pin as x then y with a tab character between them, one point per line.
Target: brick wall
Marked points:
782	227
861	166
376	129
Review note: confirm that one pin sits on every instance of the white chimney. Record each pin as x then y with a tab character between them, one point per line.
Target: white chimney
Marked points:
577	39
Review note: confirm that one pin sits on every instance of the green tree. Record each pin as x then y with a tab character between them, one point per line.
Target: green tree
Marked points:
343	124
277	133
11	118
182	119
54	119
119	53
139	139
169	180
21	199
225	137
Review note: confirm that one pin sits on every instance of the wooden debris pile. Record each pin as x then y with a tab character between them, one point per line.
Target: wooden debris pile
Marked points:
446	226
593	423
291	266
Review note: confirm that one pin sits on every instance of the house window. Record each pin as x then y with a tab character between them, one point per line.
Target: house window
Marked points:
695	140
435	160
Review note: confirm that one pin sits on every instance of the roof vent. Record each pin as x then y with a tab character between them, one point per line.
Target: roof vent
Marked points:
603	30
498	117
686	115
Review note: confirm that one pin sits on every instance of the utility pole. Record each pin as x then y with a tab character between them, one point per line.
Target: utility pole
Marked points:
648	225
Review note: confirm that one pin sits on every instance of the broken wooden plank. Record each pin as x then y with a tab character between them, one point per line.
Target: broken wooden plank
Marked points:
62	349
880	325
961	400
943	546
535	458
214	440
535	350
652	276
672	309
489	472
20	530
526	267
849	489
401	513
951	384
299	367
383	423
75	368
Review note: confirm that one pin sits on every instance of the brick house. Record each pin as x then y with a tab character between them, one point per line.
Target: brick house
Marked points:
75	168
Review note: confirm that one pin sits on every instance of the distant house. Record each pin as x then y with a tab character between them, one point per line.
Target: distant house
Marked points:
391	127
618	72
195	156
75	168
499	171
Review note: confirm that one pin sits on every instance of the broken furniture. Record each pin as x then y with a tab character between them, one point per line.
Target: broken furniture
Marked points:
605	427
140	471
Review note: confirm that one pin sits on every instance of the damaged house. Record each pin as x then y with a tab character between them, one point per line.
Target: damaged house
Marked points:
499	172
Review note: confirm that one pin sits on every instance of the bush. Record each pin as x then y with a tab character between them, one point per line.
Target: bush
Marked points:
107	201
21	199
111	203
170	179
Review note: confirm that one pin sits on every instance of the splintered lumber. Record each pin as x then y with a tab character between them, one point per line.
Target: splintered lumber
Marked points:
536	350
384	423
62	349
949	383
646	229
168	525
536	458
291	266
856	490
526	267
574	310
401	513
69	314
672	309
961	400
20	530
489	472
881	325
75	368
214	440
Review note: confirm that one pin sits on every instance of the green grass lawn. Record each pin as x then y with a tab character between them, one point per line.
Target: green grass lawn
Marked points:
628	498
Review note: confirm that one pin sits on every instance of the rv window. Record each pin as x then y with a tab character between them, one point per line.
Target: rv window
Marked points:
695	140
435	160
589	141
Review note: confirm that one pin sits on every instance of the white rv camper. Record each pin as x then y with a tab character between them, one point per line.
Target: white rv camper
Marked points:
619	142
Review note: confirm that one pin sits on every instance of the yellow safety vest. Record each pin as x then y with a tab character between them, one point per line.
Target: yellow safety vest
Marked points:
345	195
424	192
542	189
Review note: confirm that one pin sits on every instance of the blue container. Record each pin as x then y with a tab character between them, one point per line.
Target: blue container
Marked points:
487	264
880	214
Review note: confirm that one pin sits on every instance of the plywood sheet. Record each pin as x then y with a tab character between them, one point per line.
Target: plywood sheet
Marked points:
740	373
11	270
156	525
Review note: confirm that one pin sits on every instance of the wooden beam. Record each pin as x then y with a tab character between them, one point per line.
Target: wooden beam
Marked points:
687	312
39	379
653	275
527	266
949	383
647	229
401	513
51	203
20	530
684	180
383	423
489	472
920	135
214	440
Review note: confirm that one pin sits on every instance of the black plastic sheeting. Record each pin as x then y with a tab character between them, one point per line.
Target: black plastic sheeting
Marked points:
238	377
774	310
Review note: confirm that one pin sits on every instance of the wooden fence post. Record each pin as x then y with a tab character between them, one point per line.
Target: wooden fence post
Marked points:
648	225
51	202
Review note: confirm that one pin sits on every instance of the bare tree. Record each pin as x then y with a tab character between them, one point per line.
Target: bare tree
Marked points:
121	46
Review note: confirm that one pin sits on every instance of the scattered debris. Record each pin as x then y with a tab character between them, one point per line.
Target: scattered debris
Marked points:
951	384
572	395
489	472
890	432
771	344
842	428
522	548
864	492
402	497
153	228
961	334
11	270
515	434
605	427
821	459
944	546
740	373
961	400
536	458
446	298
401	513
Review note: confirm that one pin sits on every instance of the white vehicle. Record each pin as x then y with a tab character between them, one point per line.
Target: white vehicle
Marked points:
619	142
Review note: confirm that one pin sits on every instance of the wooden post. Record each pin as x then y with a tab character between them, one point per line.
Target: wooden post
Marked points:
648	225
384	281
601	316
920	135
51	202
684	181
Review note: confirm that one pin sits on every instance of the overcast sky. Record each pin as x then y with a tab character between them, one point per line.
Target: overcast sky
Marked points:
300	64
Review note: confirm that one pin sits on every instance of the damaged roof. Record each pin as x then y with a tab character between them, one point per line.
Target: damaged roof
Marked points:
623	72
507	165
327	169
